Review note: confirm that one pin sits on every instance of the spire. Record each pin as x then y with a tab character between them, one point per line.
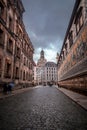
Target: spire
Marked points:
42	54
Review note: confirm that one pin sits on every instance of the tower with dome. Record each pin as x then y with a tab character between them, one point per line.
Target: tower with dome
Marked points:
42	61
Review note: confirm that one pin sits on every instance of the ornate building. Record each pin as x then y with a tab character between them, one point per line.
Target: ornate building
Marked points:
16	49
39	69
50	73
42	60
72	62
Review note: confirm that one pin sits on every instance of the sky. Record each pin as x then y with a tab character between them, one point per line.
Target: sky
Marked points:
46	23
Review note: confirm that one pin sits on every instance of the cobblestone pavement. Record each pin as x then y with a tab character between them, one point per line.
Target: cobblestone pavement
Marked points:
44	108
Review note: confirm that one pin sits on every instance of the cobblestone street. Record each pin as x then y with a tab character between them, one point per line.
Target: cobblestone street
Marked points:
44	108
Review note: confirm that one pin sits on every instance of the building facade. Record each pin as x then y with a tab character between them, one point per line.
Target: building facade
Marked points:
16	49
39	69
34	74
39	75
72	62
50	73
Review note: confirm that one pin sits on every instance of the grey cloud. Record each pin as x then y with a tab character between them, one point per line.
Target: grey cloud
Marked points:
48	16
46	21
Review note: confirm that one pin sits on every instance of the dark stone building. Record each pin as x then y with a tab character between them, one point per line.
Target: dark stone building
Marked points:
72	62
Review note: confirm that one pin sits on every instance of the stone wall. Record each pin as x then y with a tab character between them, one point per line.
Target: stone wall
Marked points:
78	84
72	73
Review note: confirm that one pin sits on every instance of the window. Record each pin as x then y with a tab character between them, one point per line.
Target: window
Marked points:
1	9
79	20
20	34
0	63
27	76
10	24
17	73
77	27
8	69
10	46
0	66
24	75
70	38
1	38
21	74
18	52
62	55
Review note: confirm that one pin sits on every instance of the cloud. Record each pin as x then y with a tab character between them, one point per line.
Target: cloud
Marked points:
50	51
49	54
46	22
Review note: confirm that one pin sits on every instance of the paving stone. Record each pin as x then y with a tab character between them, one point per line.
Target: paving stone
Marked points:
43	108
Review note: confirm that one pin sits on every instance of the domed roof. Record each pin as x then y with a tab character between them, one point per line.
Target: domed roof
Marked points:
42	51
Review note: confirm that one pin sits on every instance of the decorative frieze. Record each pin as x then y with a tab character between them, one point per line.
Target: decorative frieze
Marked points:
75	62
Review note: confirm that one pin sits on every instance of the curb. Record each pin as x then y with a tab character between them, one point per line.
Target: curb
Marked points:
79	99
14	92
